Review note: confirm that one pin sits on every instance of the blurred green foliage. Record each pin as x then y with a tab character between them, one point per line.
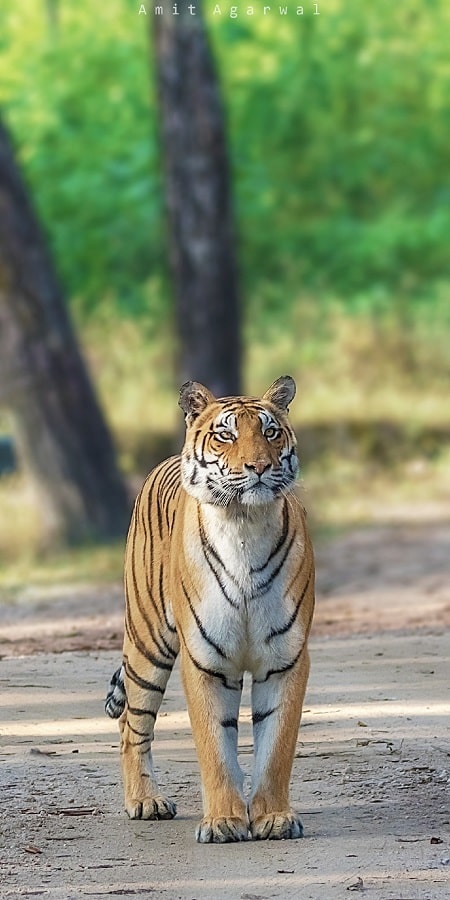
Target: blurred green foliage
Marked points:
338	129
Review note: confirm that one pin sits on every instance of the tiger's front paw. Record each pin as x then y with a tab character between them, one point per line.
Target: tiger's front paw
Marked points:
158	807
276	827
221	830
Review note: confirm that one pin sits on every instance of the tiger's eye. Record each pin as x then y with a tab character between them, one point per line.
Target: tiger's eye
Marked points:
225	435
271	433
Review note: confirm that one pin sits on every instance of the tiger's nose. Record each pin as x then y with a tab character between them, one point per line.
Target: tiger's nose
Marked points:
259	466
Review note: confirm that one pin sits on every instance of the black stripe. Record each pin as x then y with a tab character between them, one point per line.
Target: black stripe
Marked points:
172	477
172	464
201	627
283	669
163	602
293	452
211	672
146	619
219	580
205	540
281	541
200	457
170	651
115	702
295	576
174	484
159	517
173	470
135	639
263	588
172	498
141	682
139	733
135	711
230	723
207	547
277	631
258	717
116	678
114	709
171	485
193	479
147	534
148	568
236	404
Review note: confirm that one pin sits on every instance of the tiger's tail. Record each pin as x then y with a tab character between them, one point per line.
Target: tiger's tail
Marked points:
116	697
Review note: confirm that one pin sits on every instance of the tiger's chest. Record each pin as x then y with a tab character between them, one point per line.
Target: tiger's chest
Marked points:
237	606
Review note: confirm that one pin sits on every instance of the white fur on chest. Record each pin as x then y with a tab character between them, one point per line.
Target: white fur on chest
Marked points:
243	593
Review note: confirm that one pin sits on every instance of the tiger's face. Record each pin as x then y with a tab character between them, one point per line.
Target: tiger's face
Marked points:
238	450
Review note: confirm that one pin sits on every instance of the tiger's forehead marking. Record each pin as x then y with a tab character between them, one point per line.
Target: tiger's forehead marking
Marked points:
229	420
267	419
226	420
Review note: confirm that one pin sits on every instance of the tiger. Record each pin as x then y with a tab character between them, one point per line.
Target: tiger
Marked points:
219	567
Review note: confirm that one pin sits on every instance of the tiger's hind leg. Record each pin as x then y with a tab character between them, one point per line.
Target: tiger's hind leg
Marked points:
146	677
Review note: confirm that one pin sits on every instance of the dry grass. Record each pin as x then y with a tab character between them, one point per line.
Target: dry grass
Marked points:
25	557
358	367
344	493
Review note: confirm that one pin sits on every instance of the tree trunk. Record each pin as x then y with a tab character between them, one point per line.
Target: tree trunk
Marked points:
52	11
198	201
62	434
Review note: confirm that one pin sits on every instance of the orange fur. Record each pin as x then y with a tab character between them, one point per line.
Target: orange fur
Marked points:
219	565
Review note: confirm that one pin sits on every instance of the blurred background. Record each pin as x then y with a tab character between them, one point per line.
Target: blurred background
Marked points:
331	156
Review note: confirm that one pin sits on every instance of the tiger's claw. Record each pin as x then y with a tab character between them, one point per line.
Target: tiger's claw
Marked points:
222	830
151	808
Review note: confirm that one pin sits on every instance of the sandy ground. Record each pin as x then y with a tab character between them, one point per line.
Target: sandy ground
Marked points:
371	776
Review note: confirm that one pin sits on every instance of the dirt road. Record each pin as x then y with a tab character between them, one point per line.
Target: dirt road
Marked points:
371	777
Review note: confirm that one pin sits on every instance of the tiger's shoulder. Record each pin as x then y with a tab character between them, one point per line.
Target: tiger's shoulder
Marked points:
165	474
158	499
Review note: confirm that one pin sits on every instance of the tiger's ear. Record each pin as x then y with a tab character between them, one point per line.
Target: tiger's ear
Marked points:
194	398
281	392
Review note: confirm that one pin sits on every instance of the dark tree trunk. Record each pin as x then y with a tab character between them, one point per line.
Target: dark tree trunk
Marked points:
62	434
52	15
198	201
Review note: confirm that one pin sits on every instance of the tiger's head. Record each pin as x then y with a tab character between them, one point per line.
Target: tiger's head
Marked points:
238	450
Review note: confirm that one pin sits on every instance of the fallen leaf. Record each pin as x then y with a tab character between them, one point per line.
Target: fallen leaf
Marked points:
32	849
